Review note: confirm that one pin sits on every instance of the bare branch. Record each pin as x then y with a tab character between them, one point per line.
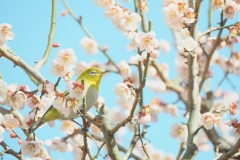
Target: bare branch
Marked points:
231	152
8	150
44	59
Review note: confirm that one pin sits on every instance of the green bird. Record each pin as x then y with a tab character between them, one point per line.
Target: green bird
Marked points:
92	78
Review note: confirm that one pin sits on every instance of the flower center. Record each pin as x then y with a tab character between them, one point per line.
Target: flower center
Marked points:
6	30
230	10
172	14
66	57
147	41
208	120
218	2
60	68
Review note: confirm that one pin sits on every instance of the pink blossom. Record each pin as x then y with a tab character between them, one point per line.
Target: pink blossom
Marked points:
122	90
59	103
164	45
104	3
71	105
11	89
41	153
56	45
179	131
89	45
67	58
64	13
156	85
33	101
3	90
10	123
58	144
68	76
154	54
172	16
28	120
144	115
189	16
76	90
143	5
68	127
233	108
48	89
80	67
207	120
172	109
130	21
6	33
147	41
114	13
57	69
230	9
100	101
28	147
18	101
125	69
189	44
217	4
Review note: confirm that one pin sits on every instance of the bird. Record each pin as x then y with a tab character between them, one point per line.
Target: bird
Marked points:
92	78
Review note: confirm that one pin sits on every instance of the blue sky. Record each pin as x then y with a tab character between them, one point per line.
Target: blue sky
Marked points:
31	24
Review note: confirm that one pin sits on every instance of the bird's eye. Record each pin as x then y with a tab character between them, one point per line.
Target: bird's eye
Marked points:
92	73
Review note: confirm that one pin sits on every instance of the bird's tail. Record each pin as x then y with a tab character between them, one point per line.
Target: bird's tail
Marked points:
35	125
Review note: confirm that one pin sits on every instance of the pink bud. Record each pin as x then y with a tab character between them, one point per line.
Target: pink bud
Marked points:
13	135
105	48
55	45
154	54
64	13
20	141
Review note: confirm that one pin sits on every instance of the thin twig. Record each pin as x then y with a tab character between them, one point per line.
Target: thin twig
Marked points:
44	59
87	32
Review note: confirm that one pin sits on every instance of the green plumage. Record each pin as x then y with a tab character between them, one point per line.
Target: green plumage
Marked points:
92	78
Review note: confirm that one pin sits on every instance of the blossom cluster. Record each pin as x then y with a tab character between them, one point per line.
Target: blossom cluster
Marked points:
6	33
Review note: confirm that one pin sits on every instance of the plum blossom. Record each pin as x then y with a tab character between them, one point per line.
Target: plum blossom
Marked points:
208	119
6	33
28	120
164	45
114	13
41	153
47	88
230	9
156	85
147	41
34	158
172	110
124	68
217	4
130	21
154	54
122	90
28	147
143	5
3	90
33	101
68	127
189	16
172	16
189	44
66	58
58	144
10	123
144	115
71	104
11	89
76	90
179	131
100	101
80	67
89	45
57	69
104	3
18	100
2	130
233	108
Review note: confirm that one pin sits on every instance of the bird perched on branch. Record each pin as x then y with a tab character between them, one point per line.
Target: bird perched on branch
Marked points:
92	78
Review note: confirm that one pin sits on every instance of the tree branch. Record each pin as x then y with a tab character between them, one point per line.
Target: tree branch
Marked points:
8	150
231	152
44	59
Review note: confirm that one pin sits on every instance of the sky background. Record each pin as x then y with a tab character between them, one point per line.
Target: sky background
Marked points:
31	24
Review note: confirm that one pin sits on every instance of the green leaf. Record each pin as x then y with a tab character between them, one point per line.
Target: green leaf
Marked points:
1	77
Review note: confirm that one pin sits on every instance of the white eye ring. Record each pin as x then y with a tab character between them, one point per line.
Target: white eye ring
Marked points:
92	73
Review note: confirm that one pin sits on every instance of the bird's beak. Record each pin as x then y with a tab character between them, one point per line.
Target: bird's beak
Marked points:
105	71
